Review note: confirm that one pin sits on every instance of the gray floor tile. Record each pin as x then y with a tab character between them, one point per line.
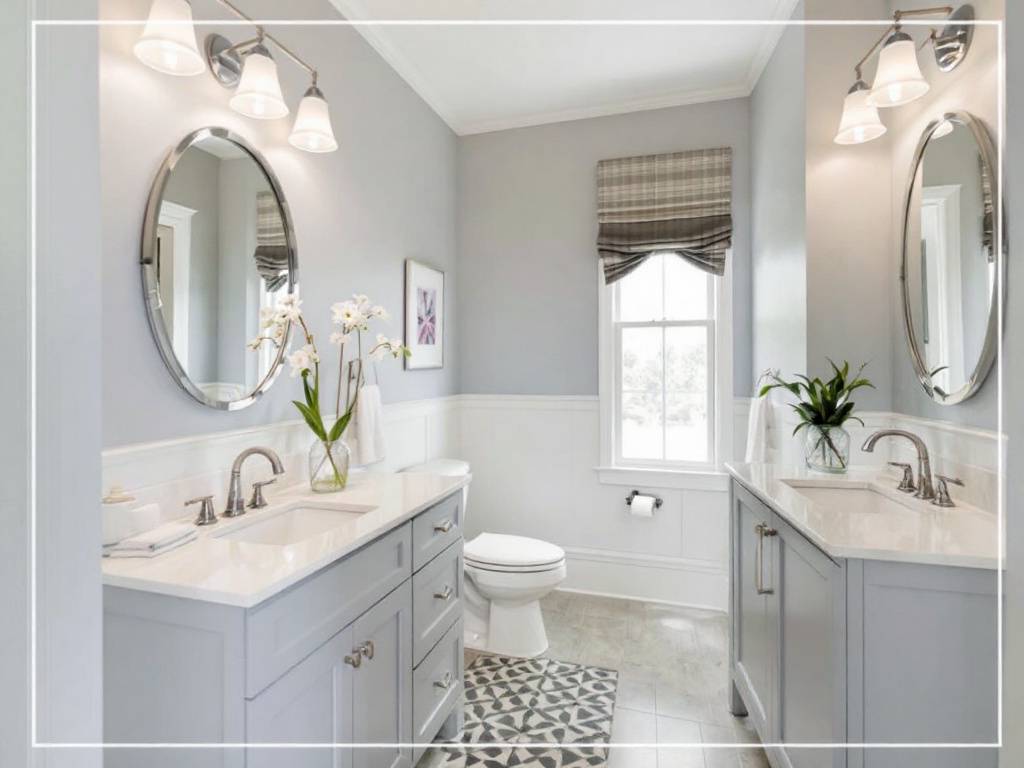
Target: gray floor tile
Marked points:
632	727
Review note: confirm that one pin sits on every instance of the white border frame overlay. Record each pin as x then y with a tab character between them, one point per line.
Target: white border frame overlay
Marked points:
423	276
33	344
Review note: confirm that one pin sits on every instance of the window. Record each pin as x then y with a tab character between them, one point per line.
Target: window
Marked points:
659	353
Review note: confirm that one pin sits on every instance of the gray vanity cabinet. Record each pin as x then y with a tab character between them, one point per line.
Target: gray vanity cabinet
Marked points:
346	656
851	651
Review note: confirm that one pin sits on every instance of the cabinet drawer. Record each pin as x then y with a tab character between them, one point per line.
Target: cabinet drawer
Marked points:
437	686
284	630
436	599
435	529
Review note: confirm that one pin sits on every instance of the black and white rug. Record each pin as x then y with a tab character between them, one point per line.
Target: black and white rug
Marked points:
534	712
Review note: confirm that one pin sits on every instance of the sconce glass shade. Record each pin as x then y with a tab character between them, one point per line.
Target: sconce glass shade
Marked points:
898	79
860	122
168	42
312	131
259	91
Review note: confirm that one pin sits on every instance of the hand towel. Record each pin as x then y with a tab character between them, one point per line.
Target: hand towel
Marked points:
369	421
152	543
758	428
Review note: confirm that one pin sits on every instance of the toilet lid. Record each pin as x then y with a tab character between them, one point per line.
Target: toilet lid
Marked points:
515	551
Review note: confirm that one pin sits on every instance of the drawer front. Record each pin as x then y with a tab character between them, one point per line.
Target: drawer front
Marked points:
436	599
437	686
284	630
436	529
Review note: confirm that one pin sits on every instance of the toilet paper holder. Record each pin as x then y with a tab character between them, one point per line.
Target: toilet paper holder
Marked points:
634	494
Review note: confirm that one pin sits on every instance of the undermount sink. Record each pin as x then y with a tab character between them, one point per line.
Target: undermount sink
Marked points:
294	523
849	498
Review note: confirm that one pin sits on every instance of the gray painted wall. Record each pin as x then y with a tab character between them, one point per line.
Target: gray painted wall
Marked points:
14	389
1012	754
527	227
779	219
388	194
69	297
850	265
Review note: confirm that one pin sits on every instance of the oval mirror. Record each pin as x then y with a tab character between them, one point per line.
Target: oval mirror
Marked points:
217	247
950	268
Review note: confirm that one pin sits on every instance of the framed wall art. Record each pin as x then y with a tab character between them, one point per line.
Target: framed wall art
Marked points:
424	315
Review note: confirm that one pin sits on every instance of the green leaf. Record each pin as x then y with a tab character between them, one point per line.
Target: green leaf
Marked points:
339	426
312	419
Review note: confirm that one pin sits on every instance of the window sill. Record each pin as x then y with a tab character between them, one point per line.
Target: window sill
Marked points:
679	479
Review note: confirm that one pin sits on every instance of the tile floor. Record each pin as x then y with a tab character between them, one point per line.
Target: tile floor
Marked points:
673	679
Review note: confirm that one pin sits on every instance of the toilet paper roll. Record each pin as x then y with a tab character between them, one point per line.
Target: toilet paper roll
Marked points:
642	506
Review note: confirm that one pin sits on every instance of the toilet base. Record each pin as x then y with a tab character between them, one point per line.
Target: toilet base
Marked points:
510	622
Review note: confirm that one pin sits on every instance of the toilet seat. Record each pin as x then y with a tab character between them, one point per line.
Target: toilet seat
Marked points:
512	554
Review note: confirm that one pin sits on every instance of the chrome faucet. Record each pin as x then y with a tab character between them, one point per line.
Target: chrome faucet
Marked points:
236	504
924	465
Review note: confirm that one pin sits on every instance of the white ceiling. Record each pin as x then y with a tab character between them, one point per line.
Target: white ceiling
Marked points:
486	76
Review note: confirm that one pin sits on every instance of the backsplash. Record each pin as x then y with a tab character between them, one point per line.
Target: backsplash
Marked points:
956	451
172	471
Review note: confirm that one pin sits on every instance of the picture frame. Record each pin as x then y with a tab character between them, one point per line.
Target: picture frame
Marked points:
424	315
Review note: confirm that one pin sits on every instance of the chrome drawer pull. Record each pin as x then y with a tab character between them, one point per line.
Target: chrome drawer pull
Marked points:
443	527
762	531
367	649
446	683
354	661
445	595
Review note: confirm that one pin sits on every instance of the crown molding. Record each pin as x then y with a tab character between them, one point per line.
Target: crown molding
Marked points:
354	10
678	99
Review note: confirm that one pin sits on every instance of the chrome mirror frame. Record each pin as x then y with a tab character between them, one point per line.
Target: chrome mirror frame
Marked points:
151	295
990	158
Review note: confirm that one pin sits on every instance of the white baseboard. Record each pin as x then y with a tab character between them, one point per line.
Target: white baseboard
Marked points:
673	581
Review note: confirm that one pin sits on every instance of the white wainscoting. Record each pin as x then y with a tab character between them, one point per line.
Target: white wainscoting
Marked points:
169	472
535	474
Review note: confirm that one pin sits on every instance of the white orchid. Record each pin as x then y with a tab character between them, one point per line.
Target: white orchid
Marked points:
303	360
379	311
340	338
268	317
256	343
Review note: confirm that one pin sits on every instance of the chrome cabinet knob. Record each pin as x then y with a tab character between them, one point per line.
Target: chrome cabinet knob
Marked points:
366	649
443	527
207	516
257	501
446	683
445	594
354	660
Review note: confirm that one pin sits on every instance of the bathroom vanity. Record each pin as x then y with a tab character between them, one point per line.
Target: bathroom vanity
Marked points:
859	617
276	628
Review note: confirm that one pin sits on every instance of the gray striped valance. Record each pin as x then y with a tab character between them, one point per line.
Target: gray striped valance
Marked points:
271	244
679	202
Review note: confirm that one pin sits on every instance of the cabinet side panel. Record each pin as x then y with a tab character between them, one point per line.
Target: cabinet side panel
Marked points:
930	662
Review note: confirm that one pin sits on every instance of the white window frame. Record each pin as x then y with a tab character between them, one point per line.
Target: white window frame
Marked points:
707	475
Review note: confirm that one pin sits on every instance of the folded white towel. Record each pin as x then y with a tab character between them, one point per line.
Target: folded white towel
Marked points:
369	427
152	543
758	430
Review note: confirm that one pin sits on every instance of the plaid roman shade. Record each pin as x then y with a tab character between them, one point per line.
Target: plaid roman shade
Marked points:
271	244
679	202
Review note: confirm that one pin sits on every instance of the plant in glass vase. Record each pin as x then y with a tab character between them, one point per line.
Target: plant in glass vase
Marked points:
823	407
329	455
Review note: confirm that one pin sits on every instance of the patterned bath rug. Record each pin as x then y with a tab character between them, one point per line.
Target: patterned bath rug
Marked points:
533	702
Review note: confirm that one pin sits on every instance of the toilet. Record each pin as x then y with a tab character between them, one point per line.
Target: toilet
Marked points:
505	579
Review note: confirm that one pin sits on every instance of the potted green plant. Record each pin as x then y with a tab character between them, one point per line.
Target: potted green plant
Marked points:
823	407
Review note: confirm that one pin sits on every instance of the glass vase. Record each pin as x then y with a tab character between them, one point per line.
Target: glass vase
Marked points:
328	466
827	449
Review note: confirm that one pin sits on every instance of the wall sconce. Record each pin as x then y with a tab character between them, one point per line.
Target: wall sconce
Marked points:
168	44
898	78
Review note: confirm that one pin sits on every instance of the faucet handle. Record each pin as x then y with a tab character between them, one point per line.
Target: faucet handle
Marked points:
257	501
942	498
206	514
907	483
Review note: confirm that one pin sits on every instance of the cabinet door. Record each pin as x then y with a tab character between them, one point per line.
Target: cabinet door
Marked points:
753	644
810	684
382	686
310	704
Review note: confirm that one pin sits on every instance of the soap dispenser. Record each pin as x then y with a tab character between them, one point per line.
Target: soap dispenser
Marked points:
117	518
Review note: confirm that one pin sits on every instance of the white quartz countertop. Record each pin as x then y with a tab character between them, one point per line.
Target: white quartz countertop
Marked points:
910	531
245	574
